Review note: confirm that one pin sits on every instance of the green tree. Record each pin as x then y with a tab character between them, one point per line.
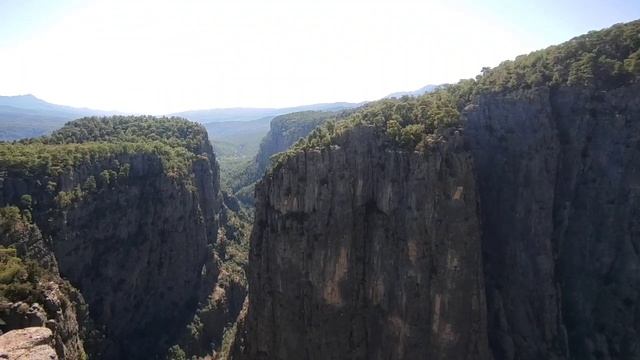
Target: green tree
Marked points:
176	353
90	184
26	201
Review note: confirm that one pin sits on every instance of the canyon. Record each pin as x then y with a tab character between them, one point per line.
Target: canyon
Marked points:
495	218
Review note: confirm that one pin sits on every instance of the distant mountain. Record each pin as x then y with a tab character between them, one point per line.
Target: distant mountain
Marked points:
423	90
25	116
249	114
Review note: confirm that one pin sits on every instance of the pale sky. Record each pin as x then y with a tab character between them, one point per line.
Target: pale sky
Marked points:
168	56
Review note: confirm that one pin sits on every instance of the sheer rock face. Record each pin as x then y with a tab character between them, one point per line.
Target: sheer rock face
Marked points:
34	343
137	250
363	252
559	186
147	245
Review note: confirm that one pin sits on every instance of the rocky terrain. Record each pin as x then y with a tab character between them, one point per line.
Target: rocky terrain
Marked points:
557	174
360	251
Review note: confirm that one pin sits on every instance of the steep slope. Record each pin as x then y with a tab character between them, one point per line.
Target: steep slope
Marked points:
32	295
285	130
212	325
131	204
557	178
390	227
365	251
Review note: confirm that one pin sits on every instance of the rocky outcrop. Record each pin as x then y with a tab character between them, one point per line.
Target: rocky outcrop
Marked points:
62	311
366	251
558	187
42	298
33	343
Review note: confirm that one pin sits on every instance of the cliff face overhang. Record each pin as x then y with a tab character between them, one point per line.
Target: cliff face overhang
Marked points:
363	251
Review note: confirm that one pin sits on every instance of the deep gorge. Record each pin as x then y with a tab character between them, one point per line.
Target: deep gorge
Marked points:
495	218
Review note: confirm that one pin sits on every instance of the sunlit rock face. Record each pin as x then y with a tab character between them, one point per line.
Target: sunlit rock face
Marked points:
514	238
365	251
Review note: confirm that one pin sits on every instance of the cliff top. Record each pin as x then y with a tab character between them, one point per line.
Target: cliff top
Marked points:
172	131
604	59
175	141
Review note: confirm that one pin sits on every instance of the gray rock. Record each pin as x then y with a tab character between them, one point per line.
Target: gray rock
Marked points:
363	251
559	191
366	251
33	343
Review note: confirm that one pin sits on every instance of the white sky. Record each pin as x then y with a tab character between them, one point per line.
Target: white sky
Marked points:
168	56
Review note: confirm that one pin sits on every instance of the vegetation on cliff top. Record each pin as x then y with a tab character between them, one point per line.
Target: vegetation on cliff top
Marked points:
284	131
602	59
106	148
605	59
175	141
408	120
172	131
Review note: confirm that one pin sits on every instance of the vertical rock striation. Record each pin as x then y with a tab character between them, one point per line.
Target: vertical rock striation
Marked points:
364	251
558	182
132	227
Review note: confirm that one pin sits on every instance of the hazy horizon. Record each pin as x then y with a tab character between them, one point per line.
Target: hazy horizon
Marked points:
163	57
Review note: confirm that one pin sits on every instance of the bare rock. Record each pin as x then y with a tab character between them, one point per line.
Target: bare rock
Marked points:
32	343
367	251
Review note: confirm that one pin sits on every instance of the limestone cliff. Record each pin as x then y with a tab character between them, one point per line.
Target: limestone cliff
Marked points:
492	219
34	343
284	131
367	251
558	188
352	244
35	296
130	222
